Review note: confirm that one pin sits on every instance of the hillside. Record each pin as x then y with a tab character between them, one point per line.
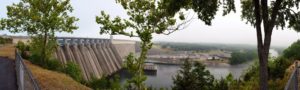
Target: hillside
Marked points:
48	80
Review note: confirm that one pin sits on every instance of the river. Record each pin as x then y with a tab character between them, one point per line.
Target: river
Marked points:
164	74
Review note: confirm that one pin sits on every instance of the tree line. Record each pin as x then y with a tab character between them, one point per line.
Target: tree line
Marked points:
238	57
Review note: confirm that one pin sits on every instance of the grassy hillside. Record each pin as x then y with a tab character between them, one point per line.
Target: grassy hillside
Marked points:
48	80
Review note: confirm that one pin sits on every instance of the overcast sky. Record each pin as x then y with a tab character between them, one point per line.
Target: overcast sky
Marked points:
228	29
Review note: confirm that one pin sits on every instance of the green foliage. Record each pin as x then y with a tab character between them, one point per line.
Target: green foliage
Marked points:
5	40
40	19
277	70
292	52
251	72
229	83
132	65
286	17
277	73
70	68
51	64
206	10
43	53
105	83
73	70
23	49
240	57
190	78
21	46
278	67
146	17
221	84
276	14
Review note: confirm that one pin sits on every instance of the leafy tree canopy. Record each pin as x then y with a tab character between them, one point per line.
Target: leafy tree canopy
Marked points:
146	17
40	19
288	13
38	16
206	9
292	52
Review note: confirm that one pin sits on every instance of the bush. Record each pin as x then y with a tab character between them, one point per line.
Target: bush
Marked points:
5	40
193	77
73	71
105	83
292	52
278	67
23	48
51	64
240	57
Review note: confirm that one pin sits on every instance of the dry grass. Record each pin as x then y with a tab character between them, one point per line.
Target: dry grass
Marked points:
48	80
7	50
51	80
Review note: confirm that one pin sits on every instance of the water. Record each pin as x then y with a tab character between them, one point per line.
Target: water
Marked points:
163	77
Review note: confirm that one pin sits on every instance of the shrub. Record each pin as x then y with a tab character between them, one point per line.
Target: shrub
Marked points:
105	83
5	40
278	67
23	48
193	77
292	52
73	71
51	64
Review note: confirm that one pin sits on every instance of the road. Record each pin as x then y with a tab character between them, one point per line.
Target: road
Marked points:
7	74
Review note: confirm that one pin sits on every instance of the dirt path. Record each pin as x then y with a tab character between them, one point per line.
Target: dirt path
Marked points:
7	74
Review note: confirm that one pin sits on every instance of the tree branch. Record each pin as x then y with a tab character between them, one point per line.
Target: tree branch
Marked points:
265	14
275	11
178	27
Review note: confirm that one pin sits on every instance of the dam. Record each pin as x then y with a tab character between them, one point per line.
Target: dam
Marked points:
95	57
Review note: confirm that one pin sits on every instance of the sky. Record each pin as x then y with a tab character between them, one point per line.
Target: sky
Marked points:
228	29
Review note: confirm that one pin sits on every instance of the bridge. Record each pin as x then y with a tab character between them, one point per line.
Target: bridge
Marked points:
96	57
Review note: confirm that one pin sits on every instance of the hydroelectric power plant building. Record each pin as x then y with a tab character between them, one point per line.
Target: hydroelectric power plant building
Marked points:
96	57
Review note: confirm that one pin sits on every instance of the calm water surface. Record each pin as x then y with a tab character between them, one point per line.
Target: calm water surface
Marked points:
163	77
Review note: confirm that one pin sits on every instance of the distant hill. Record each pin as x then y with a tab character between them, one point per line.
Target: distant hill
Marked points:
179	46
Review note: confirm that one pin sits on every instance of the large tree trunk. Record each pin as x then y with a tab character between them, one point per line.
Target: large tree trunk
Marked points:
263	69
263	46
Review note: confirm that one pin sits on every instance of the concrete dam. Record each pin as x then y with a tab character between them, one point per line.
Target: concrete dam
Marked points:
95	57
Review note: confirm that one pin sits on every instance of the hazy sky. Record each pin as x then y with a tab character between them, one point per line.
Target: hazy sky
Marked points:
228	29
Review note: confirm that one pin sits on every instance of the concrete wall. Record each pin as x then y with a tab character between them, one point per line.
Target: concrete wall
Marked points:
124	47
96	57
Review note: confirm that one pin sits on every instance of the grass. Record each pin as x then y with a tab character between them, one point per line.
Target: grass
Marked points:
7	50
47	79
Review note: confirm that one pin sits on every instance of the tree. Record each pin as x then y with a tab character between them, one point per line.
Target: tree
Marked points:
292	52
40	19
238	57
146	17
193	77
276	14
